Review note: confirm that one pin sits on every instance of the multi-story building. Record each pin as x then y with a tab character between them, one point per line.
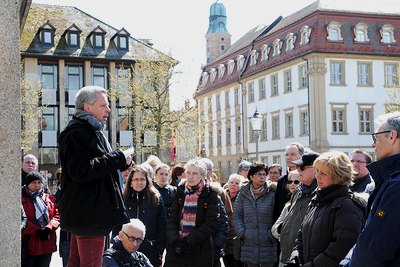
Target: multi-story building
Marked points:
64	49
318	77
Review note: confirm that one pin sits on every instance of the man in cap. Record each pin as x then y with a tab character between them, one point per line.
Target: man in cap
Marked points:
299	201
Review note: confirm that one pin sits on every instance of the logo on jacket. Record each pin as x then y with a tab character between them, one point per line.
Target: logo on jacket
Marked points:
380	213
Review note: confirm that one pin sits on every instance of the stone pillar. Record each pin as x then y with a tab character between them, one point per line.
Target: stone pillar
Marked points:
10	143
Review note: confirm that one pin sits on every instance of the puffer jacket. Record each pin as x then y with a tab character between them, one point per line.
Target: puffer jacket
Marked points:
330	227
253	220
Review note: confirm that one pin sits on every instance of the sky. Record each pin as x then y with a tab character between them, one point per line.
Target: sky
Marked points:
178	27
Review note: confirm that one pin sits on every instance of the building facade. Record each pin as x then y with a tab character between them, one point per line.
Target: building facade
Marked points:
64	49
318	77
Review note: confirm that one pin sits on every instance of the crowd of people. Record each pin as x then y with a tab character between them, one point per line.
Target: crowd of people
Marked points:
326	209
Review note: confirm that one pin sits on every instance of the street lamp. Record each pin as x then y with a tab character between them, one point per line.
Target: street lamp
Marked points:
256	124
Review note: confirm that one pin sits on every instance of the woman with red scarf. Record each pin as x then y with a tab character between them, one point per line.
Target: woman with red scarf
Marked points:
194	219
43	221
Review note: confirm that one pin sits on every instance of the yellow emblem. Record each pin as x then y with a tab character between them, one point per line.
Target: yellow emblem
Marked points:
380	213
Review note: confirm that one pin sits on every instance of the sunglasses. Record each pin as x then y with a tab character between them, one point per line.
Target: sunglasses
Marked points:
293	181
374	135
301	167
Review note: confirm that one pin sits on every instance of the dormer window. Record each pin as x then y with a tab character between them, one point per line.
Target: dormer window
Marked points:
73	36
290	40
264	52
98	35
361	33
387	34
122	39
334	31
305	35
277	47
47	34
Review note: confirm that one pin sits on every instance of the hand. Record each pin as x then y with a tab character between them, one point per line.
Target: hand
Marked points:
181	247
43	234
295	262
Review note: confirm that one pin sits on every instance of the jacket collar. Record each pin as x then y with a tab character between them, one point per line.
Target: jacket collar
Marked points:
384	168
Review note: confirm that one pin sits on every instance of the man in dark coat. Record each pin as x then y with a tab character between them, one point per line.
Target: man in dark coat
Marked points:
362	181
91	201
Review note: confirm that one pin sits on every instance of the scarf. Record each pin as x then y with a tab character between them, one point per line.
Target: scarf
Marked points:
256	192
188	221
41	211
92	120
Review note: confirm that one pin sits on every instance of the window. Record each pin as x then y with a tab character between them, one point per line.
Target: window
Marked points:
73	39
334	32
264	52
303	121
287	76
339	119
124	120
365	119
218	102
289	124
361	33
47	34
123	42
261	89
387	34
210	139
276	159
48	155
231	66
364	74
99	76
264	128
303	76
391	78
227	100
73	82
250	87
238	135
219	137
305	35
98	40
237	96
277	44
48	74
337	73
254	57
69	112
275	126
49	119
290	40
274	85
228	136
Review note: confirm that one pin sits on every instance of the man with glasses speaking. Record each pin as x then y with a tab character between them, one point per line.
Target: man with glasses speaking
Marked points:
362	181
299	201
124	251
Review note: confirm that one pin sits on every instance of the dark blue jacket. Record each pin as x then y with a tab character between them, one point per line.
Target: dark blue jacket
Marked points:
379	243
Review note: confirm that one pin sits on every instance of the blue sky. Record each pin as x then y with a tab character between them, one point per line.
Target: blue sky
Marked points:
178	27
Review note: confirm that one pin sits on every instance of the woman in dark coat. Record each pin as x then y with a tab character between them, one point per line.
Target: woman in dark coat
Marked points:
166	190
334	217
144	202
193	220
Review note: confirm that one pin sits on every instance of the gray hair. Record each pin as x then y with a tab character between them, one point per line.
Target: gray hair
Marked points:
87	94
136	224
244	164
199	164
208	162
392	120
299	146
162	165
148	169
30	156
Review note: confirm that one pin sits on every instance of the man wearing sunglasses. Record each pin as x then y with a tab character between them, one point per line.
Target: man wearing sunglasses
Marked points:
124	250
379	242
299	201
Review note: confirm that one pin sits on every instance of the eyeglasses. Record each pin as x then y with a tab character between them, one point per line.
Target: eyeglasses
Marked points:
274	173
132	238
374	138
293	181
301	167
357	161
139	180
260	174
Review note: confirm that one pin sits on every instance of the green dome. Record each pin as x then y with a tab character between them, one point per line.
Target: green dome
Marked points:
217	19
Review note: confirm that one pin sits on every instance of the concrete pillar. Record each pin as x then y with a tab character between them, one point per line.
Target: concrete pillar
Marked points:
10	125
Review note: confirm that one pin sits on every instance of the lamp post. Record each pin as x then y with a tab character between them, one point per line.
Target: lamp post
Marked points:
256	124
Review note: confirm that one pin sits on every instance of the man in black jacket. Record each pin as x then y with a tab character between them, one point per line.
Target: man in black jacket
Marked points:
90	201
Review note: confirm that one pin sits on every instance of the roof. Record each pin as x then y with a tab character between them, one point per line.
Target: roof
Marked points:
62	18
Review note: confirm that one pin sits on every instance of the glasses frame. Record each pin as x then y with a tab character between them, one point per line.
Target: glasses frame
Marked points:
132	238
302	167
358	161
374	138
296	182
261	174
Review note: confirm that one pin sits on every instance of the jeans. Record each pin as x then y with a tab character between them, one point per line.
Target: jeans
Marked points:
86	251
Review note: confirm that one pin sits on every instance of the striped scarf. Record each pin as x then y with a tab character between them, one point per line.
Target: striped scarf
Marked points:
41	210
188	221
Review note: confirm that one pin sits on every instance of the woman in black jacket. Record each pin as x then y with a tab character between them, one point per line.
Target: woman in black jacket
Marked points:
334	217
144	202
166	190
193	221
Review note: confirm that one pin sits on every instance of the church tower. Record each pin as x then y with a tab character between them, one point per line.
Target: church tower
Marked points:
218	37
